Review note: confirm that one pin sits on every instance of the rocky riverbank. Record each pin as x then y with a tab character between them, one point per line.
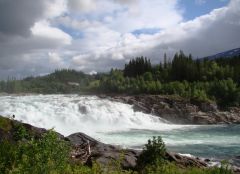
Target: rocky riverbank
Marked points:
178	110
86	150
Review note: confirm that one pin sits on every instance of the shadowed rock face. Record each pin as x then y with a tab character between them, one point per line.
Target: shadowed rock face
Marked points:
179	110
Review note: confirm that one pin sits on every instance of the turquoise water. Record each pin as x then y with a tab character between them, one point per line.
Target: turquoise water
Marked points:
220	142
118	123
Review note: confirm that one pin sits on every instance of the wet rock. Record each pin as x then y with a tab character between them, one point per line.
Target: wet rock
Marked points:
236	161
179	110
82	109
185	161
207	160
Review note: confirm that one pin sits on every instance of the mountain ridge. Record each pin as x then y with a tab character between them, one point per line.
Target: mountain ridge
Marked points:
225	54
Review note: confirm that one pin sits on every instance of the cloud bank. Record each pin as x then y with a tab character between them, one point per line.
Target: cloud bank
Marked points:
89	35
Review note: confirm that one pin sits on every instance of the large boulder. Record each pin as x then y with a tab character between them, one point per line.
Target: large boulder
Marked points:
104	154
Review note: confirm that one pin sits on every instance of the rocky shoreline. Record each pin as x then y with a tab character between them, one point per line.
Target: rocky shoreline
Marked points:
178	110
99	152
86	150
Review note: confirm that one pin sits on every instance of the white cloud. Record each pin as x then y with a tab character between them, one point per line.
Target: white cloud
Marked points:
205	35
26	36
55	8
148	14
43	29
54	58
93	35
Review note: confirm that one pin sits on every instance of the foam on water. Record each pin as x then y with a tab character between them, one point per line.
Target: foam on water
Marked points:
118	123
72	113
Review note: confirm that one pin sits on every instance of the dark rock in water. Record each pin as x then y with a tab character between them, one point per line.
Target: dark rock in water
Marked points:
207	160
82	109
184	161
236	161
179	110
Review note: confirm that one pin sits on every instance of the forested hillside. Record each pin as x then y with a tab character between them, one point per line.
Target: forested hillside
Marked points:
199	80
61	81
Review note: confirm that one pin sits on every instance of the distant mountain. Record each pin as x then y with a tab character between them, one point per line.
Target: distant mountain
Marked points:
229	53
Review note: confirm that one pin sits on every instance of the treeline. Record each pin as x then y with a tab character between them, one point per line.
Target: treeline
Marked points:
201	80
183	67
61	81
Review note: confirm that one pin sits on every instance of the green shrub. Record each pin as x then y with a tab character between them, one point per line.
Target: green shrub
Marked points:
153	153
152	160
50	155
8	157
19	131
45	155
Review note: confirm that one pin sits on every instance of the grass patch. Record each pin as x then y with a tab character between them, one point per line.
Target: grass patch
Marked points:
5	124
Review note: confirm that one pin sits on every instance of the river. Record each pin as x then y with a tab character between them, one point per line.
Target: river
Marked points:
117	123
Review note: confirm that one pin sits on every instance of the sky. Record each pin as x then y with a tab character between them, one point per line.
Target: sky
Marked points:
37	37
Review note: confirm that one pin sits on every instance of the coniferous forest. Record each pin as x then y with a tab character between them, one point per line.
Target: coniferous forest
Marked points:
198	80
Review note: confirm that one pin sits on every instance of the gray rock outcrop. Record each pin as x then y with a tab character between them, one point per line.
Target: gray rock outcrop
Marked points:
180	111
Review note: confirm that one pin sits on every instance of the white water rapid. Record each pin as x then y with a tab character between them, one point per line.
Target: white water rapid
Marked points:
72	113
117	123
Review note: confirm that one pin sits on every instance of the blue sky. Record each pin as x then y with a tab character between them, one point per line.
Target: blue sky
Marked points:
191	9
196	8
37	37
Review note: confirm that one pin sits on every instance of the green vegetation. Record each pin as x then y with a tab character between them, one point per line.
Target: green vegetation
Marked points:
198	80
153	154
23	152
153	160
49	154
5	124
61	81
